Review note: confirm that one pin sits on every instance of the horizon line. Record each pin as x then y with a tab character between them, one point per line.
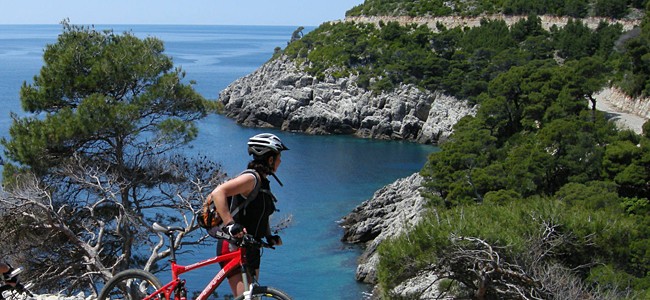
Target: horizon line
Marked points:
167	24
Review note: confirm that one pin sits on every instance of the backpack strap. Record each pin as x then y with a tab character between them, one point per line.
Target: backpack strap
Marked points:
258	184
251	196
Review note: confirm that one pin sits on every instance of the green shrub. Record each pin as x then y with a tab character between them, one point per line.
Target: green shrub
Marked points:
579	237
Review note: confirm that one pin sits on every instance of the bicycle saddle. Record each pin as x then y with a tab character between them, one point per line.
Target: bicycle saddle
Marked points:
165	229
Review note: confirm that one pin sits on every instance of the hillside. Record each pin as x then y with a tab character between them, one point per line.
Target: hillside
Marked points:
627	112
613	9
547	21
532	196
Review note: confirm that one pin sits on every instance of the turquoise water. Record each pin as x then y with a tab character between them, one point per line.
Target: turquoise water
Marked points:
324	177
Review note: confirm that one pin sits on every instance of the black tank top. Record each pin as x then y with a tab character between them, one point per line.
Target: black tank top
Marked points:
255	216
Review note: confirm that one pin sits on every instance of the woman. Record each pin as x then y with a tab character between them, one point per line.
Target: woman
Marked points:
266	150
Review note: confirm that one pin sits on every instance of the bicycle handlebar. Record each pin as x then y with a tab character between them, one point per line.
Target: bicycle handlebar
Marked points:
249	240
246	241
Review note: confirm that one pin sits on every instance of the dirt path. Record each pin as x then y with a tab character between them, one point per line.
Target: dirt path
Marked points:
605	102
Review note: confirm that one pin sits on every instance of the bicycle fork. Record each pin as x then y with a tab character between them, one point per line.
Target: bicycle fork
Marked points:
248	292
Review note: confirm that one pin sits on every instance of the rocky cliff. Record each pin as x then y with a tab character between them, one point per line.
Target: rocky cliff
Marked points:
279	94
391	211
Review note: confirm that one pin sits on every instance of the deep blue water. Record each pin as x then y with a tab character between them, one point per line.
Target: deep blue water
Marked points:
324	177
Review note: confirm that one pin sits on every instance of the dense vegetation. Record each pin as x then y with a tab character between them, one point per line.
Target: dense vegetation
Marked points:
462	63
545	180
570	8
538	195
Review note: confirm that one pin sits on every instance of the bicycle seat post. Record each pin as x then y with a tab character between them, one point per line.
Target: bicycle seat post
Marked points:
169	232
172	249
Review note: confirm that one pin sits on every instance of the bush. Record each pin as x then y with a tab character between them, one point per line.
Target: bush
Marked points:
529	236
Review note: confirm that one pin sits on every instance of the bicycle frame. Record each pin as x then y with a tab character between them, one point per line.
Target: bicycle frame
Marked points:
234	260
176	289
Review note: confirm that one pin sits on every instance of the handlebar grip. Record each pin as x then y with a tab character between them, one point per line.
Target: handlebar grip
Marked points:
247	240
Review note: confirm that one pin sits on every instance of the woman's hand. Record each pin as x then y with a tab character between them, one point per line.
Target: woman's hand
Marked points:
235	230
274	240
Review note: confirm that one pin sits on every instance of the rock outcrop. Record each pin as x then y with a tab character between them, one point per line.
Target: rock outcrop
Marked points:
279	94
391	211
422	286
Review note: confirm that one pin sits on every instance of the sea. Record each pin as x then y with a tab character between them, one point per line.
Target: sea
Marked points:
324	177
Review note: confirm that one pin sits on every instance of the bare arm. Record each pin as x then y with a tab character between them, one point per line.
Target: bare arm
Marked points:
242	184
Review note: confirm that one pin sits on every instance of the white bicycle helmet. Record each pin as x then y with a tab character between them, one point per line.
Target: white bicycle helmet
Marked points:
263	143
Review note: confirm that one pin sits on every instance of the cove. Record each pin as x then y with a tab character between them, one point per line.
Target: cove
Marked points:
324	177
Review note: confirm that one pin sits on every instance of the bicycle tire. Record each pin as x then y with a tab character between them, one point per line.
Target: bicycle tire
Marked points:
131	284
267	292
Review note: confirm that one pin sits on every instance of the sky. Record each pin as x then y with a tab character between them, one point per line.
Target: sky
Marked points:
190	12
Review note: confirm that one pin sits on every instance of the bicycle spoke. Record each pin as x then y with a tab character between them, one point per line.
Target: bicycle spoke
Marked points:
133	289
130	286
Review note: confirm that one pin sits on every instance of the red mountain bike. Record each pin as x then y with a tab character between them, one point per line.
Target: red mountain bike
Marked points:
139	284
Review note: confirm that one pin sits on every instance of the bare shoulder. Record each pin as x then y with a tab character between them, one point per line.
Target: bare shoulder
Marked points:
242	184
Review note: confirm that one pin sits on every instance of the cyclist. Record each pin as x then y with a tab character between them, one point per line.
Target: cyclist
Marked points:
266	150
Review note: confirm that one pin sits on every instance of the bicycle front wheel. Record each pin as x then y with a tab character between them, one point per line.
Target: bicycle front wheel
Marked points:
267	292
130	285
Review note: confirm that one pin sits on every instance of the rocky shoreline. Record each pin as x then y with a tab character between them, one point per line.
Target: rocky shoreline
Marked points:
391	211
279	94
